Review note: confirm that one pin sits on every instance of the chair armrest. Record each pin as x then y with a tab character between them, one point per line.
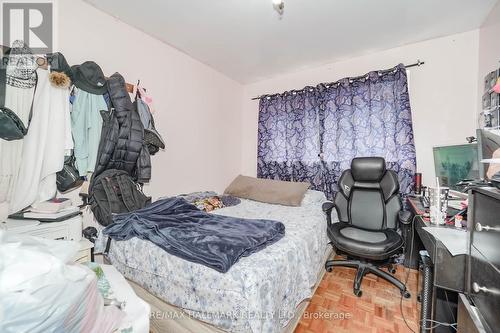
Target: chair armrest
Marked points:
405	217
327	207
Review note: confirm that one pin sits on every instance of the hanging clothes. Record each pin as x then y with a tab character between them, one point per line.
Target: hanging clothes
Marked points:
86	124
44	145
18	99
20	83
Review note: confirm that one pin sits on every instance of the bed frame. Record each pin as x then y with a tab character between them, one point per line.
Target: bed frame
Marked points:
178	321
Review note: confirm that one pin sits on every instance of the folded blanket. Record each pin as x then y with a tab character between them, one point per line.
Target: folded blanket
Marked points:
182	230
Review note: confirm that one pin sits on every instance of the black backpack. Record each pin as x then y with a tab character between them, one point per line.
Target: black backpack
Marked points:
112	192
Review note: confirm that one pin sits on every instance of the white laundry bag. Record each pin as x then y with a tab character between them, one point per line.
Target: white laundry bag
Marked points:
41	290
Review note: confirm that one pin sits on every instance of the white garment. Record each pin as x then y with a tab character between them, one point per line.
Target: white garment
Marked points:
44	146
18	100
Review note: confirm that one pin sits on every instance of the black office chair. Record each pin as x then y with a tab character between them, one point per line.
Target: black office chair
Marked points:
368	206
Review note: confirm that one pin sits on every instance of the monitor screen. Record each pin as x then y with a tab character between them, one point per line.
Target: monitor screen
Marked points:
489	143
456	163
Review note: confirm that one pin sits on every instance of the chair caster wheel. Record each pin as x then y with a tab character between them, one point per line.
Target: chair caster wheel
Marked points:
358	293
406	294
329	269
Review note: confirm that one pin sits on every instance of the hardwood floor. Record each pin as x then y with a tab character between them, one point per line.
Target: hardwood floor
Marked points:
334	308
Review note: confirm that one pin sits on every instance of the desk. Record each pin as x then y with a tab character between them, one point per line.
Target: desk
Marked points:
448	271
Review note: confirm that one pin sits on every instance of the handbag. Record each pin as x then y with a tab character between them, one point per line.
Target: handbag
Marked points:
152	138
11	126
68	178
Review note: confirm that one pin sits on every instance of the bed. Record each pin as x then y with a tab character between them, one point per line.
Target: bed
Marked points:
264	292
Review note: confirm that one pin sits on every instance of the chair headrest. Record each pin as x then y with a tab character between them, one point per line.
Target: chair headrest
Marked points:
367	169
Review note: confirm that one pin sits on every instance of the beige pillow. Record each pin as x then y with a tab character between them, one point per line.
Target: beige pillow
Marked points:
268	190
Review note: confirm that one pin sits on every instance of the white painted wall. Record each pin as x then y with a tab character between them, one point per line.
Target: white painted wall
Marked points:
489	48
209	122
197	107
443	93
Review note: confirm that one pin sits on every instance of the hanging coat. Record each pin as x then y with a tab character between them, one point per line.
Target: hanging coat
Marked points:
86	122
122	144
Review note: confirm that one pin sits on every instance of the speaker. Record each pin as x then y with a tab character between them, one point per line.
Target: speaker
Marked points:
418	183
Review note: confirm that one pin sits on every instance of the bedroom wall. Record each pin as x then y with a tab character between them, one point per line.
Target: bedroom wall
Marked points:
489	48
197	107
443	93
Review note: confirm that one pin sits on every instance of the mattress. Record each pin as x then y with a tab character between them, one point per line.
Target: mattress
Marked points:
260	292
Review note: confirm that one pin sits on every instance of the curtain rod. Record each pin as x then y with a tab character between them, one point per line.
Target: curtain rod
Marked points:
416	64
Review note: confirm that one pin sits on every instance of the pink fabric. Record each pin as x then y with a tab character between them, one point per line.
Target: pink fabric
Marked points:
146	98
496	87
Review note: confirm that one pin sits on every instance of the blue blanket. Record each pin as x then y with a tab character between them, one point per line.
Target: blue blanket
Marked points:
183	230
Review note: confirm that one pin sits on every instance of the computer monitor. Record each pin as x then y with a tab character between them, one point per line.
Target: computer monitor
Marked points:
489	149
456	163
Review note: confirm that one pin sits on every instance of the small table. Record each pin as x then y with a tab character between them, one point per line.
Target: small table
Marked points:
137	311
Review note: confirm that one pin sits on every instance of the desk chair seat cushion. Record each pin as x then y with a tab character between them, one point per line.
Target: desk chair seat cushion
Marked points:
368	244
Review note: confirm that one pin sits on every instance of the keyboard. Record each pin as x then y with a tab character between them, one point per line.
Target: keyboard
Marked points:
425	202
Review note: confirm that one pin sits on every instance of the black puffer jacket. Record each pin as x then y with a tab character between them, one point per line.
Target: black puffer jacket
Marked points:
122	138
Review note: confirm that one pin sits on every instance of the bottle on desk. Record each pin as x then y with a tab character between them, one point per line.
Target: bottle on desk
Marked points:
438	197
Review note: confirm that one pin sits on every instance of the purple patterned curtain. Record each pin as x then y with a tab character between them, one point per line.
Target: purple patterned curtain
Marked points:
313	134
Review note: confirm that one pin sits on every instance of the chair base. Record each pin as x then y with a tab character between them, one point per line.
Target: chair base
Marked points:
364	268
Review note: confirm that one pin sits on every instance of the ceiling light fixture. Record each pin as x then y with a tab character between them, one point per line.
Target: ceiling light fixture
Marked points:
279	6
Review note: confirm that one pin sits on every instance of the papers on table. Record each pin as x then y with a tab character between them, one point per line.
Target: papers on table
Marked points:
456	204
455	240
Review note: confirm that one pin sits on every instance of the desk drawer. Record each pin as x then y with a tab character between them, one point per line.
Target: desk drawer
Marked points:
486	238
487	297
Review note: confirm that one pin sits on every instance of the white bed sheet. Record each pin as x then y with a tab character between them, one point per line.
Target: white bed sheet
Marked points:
259	293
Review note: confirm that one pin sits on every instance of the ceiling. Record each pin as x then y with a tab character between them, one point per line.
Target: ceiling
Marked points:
247	41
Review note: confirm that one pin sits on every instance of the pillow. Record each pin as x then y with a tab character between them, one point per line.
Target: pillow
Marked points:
268	190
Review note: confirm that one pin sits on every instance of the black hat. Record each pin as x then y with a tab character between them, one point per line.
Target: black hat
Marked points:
90	78
58	63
